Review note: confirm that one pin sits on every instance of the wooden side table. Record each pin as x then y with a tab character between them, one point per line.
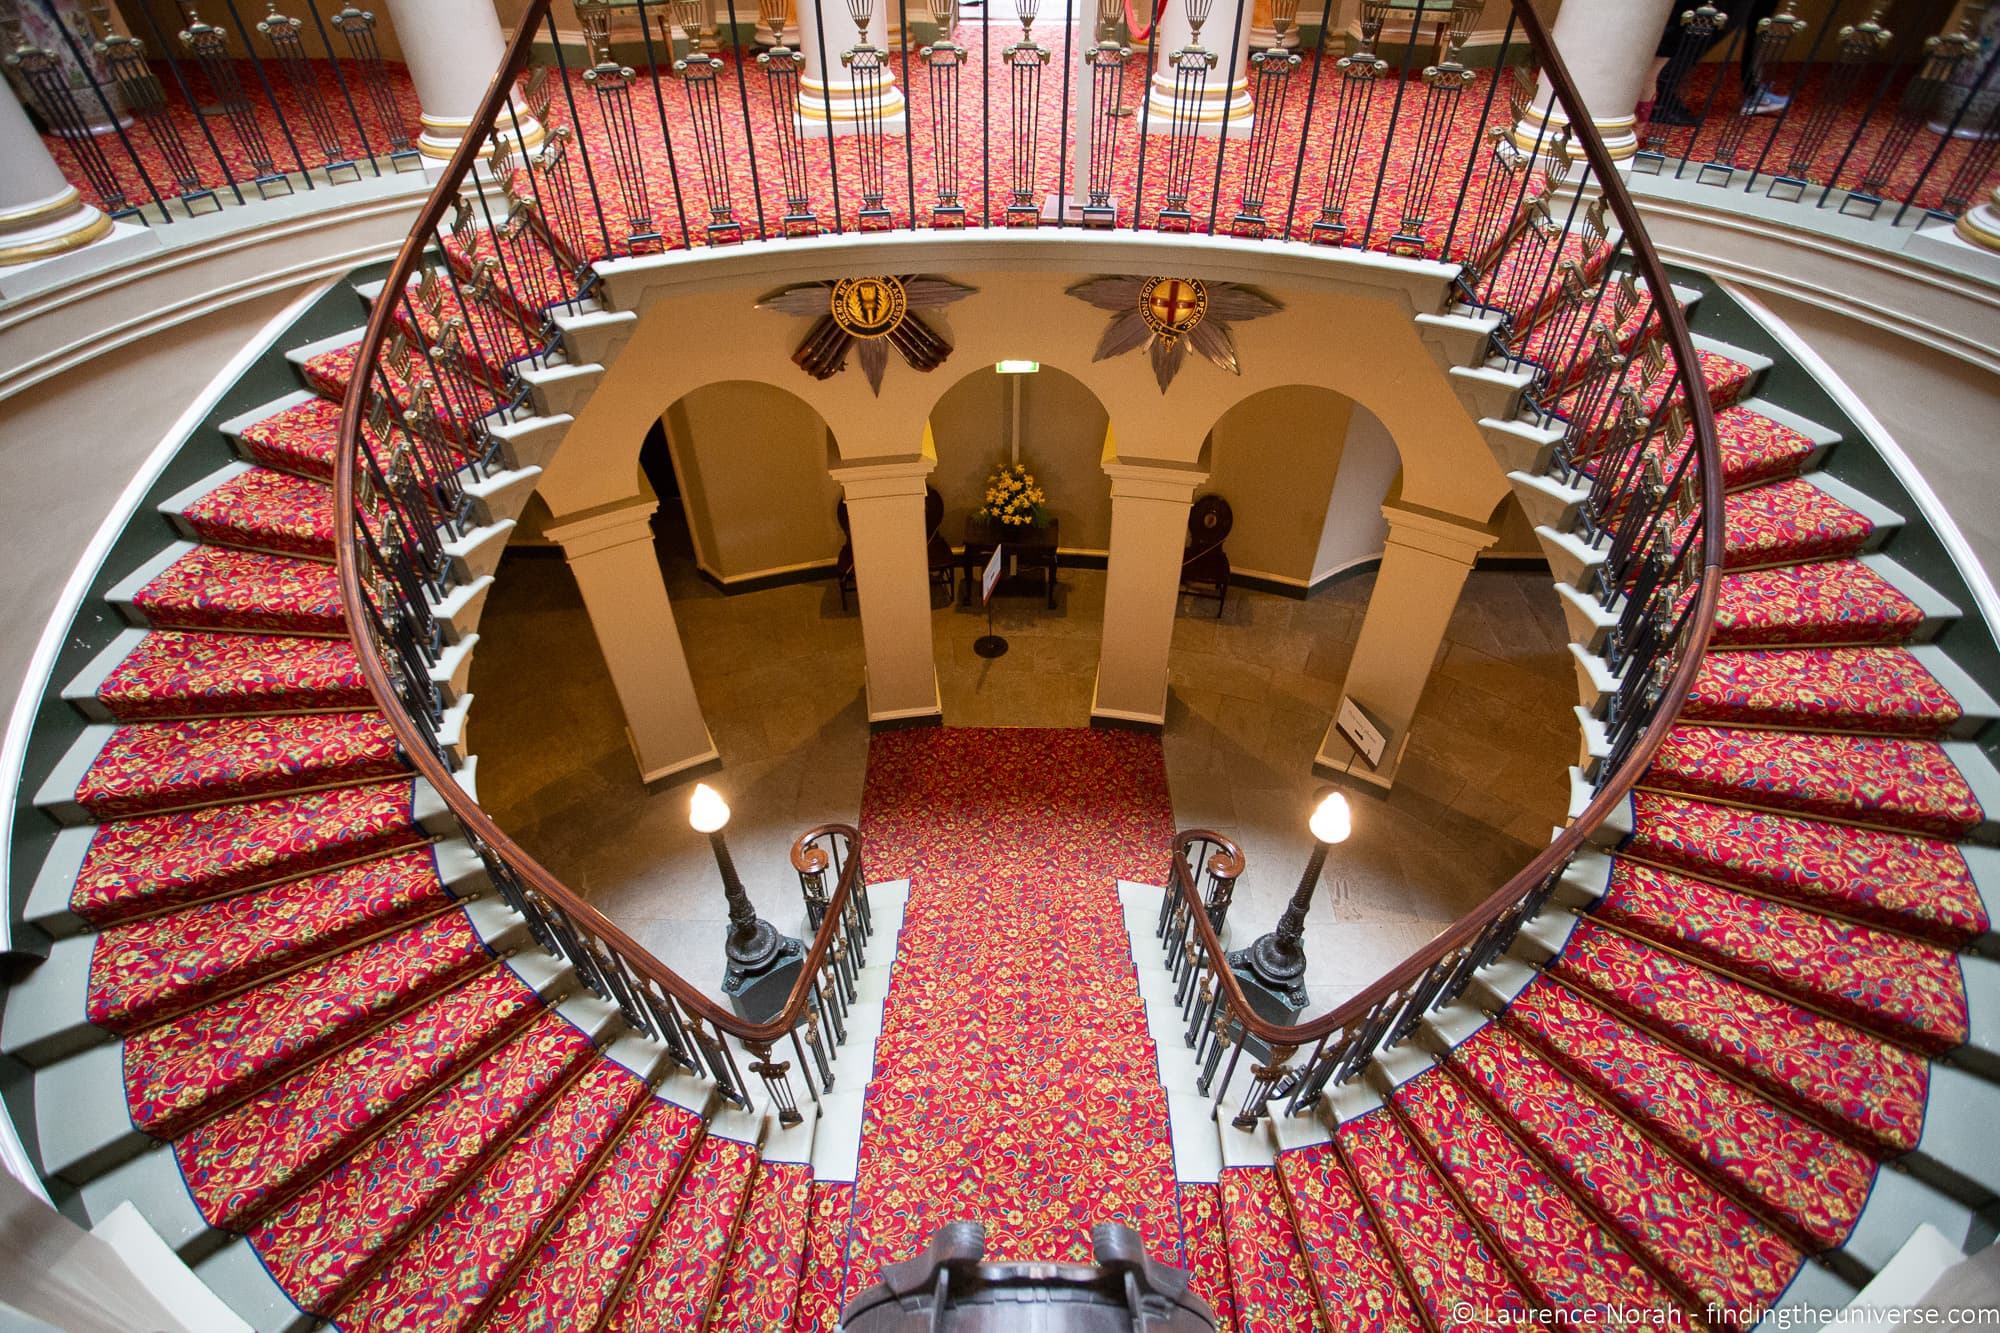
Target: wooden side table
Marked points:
1027	548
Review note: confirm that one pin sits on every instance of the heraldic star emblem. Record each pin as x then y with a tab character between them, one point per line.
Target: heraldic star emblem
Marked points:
876	314
1169	315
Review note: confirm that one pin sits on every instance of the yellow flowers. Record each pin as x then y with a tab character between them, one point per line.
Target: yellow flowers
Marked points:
1013	498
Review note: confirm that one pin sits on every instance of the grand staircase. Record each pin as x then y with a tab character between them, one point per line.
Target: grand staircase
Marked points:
1748	1045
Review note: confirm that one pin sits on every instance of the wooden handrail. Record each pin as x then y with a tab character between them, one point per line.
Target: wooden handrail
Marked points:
417	745
412	738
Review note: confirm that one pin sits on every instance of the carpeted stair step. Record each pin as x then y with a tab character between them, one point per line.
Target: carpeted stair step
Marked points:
1829	1071
526	275
1758	442
1882	691
571	1278
1729	372
242	1164
98	876
256	509
1568	1256
823	1276
328	1239
1268	1282
1924	886
146	971
1804	1182
1204	1251
203	1061
1560	343
679	1274
1892	782
760	1286
327	368
223	588
1712	1247
443	1275
1908	990
147	768
1800	518
1523	281
1445	1256
1350	1262
298	434
1829	602
162	674
491	340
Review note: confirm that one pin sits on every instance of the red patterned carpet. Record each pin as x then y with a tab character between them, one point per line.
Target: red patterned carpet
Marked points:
1015	1082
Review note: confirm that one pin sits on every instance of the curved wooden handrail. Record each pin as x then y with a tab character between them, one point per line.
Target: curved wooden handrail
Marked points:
417	746
1616	788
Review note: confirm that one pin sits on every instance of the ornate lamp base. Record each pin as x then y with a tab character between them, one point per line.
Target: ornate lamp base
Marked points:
761	972
1275	990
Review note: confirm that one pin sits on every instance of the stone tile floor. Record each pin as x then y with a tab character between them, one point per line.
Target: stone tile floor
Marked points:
779	676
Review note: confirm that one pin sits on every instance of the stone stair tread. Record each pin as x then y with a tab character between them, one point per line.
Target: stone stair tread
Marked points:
1787	1167
1345	1252
1895	782
238	1163
1817	1064
184	1068
1571	1260
1926	886
144	971
442	1276
322	1243
181	674
681	1270
262	509
1882	690
155	862
1715	1248
760	1286
1908	989
151	767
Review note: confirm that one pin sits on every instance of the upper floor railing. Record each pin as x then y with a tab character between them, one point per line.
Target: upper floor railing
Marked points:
566	167
1860	113
164	121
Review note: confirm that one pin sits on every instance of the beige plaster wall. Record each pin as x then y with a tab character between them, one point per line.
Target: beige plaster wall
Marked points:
1354	528
1348	328
1274	457
1062	442
752	466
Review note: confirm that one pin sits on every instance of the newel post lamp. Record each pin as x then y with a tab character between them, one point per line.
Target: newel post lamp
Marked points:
1272	971
762	964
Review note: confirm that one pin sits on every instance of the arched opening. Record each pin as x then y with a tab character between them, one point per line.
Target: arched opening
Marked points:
745	538
1053	424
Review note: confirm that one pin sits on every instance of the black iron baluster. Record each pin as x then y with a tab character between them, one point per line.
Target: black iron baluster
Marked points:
1943	55
868	76
357	27
611	81
781	65
1774	35
1445	83
1271	78
944	61
700	75
1360	73
47	81
1856	44
270	93
1191	65
209	45
1698	27
1105	60
1025	62
284	33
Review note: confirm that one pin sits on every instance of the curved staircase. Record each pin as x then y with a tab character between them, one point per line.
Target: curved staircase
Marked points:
1744	1051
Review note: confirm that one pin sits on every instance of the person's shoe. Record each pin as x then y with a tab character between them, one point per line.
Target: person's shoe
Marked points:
1673	111
1766	103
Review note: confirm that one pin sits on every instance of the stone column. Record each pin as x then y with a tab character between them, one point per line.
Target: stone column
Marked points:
1225	97
1149	522
610	551
1423	571
41	214
1608	46
1980	224
892	582
452	48
829	88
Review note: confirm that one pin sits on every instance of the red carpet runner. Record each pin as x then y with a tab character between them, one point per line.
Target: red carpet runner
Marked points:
1015	1082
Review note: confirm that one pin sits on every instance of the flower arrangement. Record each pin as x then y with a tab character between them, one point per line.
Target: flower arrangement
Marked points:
1014	498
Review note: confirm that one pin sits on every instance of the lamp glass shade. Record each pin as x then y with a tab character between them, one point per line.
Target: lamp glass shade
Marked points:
1331	821
707	811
